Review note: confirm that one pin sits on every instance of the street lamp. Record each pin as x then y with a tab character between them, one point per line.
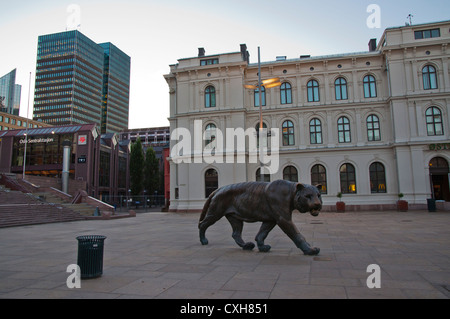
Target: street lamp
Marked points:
267	84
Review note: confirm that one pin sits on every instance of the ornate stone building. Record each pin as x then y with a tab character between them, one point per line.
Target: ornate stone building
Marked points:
369	124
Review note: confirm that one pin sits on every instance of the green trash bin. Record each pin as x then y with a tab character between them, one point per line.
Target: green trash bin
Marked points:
90	255
431	204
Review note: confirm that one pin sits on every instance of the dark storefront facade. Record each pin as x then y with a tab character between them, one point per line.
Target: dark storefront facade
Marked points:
99	160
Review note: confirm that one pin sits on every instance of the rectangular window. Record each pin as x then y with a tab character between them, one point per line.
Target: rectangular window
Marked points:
426	34
209	61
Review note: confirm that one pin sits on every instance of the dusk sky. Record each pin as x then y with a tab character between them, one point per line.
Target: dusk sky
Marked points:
156	34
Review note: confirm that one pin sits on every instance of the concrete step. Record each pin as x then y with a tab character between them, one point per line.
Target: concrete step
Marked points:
19	209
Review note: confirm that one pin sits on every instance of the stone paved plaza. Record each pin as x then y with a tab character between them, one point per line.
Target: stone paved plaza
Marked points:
158	255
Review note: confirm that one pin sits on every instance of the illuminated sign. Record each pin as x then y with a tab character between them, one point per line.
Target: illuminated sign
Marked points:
82	139
37	140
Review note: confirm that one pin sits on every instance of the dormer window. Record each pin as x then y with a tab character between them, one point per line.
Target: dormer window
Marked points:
426	34
209	61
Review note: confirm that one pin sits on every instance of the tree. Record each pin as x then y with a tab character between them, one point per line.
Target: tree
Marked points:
151	172
136	168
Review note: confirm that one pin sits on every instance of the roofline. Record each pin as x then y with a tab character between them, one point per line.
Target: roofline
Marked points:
420	25
321	57
209	56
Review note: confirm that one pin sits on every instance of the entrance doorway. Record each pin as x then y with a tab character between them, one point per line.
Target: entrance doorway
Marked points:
439	176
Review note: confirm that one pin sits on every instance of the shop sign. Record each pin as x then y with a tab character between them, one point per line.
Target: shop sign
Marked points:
439	146
37	140
82	139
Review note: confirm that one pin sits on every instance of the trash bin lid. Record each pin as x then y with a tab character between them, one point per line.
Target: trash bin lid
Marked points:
91	238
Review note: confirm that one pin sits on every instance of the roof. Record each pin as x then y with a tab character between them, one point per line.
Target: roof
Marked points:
65	129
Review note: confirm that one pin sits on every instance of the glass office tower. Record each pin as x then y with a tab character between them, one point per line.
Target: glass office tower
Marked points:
116	89
10	93
73	79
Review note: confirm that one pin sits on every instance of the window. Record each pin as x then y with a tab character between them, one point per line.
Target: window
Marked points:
344	130
257	134
377	178
315	131
211	181
290	174
425	34
286	93
340	86
258	175
429	78
313	91
434	121
319	176
288	133
210	96
209	61
370	87
348	179
263	97
210	135
373	128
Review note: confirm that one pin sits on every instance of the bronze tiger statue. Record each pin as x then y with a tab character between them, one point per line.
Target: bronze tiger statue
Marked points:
269	203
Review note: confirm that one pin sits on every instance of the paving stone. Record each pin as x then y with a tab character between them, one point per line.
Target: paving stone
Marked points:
159	256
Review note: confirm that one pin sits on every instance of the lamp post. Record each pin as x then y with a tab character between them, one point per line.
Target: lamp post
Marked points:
267	84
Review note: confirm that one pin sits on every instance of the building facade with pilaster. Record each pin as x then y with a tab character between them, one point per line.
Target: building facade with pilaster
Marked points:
369	125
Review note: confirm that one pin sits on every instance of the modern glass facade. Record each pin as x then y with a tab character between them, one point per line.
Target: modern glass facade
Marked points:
116	89
10	93
73	79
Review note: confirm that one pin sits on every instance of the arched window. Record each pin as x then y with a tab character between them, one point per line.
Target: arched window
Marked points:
210	135
315	131
348	179
263	97
210	96
313	91
286	93
340	86
429	78
370	86
377	178
211	181
319	176
434	121
266	175
290	174
288	133
373	128
344	135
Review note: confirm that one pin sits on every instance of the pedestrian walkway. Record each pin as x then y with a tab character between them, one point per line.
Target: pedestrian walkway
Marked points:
159	255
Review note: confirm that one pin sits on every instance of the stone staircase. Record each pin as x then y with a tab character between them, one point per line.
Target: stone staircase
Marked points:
26	203
20	209
81	208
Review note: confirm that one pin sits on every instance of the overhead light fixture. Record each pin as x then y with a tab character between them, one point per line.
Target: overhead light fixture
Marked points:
269	81
272	85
